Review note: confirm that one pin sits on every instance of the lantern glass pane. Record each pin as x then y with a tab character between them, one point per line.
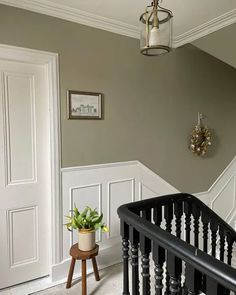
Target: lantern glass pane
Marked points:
143	37
165	29
156	40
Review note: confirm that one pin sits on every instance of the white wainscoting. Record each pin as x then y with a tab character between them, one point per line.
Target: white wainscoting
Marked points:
221	196
107	186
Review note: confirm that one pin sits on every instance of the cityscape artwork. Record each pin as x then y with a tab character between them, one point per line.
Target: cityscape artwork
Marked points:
84	105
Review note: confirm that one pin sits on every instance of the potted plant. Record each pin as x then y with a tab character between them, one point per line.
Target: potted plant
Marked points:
87	222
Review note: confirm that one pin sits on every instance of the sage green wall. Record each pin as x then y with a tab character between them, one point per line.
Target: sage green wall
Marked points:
151	104
221	44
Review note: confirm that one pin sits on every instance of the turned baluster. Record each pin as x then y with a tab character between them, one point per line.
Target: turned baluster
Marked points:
188	212
159	259
145	248
158	254
213	288
214	228
125	256
157	215
134	240
168	215
190	281
196	215
222	290
222	243
205	222
178	211
174	266
230	242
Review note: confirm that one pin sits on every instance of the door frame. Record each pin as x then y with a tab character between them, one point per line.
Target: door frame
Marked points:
51	62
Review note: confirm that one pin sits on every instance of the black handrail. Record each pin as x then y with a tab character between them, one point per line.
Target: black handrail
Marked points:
220	272
200	260
159	201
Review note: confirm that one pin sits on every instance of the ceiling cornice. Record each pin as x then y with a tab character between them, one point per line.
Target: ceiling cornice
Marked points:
209	27
75	15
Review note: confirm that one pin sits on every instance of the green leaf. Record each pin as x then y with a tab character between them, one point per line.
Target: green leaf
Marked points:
105	229
88	219
101	217
76	212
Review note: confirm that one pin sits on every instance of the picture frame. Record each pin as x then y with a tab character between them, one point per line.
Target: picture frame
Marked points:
84	105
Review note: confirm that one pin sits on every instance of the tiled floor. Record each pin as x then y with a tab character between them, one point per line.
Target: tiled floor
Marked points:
110	283
29	287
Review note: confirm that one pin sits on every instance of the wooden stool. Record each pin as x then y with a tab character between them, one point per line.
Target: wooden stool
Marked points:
76	254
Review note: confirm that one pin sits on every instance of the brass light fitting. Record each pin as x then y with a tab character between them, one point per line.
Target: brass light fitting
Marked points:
156	34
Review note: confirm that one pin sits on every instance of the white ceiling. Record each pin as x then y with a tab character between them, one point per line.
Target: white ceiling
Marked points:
192	19
188	14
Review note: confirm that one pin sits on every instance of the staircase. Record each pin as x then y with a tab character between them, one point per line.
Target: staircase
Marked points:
190	245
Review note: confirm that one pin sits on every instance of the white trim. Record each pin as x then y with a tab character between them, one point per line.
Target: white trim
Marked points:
141	186
118	164
132	180
99	166
75	15
55	131
71	204
50	60
221	190
218	179
158	178
209	27
89	19
209	197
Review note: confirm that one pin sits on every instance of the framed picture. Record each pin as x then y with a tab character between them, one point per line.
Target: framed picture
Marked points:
84	105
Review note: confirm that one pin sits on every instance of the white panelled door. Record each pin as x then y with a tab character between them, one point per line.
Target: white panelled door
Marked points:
24	172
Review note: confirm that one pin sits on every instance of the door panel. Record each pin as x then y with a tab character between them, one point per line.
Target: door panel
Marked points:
20	124
23	225
24	173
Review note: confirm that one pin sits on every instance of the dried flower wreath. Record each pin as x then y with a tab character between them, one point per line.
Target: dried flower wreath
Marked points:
200	138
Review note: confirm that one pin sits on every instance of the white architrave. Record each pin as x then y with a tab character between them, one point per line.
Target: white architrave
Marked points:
50	61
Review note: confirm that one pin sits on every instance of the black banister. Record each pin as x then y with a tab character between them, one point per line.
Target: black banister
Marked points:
160	201
214	270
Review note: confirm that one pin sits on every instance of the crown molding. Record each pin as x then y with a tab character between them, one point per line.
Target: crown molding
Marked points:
75	15
207	28
78	16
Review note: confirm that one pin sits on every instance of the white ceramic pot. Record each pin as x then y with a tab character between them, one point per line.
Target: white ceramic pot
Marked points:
86	239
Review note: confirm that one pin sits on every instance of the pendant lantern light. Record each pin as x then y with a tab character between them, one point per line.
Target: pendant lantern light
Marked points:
156	34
